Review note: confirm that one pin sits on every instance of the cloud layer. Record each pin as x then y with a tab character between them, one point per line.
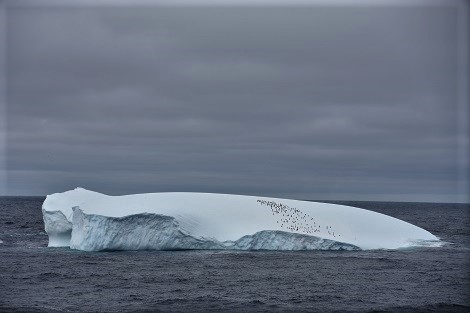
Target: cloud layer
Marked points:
302	102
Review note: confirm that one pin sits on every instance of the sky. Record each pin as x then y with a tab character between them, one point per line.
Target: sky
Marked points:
339	102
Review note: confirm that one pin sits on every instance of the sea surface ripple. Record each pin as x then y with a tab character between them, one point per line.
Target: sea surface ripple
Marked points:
34	278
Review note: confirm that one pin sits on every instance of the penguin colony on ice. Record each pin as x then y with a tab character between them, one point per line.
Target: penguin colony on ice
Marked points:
293	219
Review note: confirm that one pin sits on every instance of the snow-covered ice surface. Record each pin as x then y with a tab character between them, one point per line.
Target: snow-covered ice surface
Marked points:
91	221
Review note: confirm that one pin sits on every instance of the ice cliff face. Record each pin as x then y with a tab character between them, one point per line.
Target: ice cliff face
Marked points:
279	240
58	227
134	232
90	221
158	232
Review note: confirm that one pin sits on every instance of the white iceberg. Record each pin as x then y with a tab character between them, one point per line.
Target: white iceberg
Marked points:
91	221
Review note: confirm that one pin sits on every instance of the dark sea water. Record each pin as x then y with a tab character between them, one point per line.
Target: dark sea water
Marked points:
34	278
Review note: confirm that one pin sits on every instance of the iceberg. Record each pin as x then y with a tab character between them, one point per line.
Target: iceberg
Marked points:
86	220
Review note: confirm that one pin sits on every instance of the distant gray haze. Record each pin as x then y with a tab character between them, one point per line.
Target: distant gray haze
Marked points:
310	102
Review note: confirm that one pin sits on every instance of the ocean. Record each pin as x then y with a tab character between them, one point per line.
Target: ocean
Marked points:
34	278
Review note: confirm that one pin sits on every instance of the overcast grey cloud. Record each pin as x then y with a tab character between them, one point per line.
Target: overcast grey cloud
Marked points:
310	102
